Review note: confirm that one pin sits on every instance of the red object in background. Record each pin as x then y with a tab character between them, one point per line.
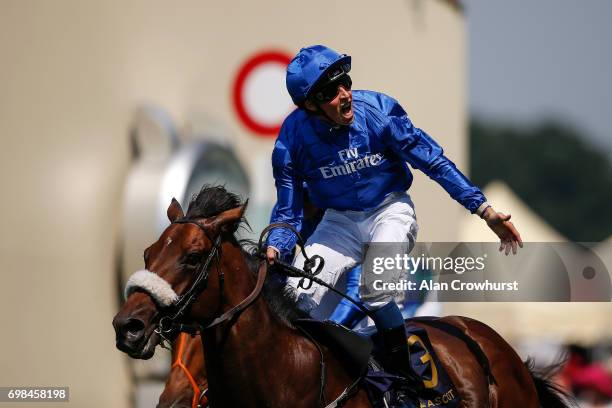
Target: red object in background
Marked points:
249	66
596	378
579	376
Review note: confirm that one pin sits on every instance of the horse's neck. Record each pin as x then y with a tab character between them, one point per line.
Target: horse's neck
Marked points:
257	322
253	346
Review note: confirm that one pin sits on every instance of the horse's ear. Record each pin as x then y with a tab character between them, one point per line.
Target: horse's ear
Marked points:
175	211
229	220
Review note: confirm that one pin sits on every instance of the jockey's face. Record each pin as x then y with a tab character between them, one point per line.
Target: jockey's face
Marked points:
340	109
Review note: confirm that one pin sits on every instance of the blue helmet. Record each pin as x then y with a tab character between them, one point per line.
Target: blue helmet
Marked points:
309	66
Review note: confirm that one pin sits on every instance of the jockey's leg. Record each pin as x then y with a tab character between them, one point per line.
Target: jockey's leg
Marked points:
390	324
337	240
347	313
392	232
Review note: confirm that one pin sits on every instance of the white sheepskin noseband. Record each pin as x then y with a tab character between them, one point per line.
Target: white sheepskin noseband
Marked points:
153	284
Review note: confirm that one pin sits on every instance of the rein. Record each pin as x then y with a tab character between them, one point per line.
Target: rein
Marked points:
306	274
309	262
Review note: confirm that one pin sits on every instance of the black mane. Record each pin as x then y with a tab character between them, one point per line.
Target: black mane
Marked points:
213	200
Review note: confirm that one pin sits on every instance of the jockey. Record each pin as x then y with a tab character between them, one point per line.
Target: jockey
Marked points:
351	148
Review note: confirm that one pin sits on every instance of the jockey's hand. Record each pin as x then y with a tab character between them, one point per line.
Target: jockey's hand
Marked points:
502	227
271	255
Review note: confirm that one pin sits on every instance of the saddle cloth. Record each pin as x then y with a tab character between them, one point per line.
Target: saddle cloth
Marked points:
361	352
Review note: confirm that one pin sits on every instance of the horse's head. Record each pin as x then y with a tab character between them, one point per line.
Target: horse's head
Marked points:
181	274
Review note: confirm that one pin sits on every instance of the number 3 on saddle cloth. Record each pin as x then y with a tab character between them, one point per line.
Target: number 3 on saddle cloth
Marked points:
436	388
361	352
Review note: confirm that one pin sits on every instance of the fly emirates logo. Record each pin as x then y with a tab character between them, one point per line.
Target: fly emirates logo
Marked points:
351	163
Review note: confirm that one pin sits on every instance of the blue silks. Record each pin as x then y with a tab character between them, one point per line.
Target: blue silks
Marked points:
355	167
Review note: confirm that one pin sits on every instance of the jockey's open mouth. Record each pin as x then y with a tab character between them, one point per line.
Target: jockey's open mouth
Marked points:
346	110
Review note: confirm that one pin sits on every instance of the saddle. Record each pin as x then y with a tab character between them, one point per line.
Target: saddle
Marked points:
361	353
352	349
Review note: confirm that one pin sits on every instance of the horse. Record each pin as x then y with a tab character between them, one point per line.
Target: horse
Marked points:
186	385
255	355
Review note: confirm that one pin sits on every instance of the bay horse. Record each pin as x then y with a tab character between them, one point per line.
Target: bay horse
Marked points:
186	385
255	356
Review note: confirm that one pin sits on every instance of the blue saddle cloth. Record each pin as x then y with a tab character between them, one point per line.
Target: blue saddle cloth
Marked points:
436	390
361	352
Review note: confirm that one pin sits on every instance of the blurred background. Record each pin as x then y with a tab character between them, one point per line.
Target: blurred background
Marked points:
109	109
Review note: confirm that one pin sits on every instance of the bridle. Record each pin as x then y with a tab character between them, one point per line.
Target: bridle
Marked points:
170	322
198	393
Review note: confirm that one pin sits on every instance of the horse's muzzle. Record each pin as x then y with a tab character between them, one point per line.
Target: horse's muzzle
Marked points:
130	335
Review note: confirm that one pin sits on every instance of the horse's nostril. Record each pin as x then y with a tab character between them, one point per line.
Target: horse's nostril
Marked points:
133	329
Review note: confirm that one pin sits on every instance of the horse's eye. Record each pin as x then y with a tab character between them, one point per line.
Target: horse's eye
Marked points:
192	259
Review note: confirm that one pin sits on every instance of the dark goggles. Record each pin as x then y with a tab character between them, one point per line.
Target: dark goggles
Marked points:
329	91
